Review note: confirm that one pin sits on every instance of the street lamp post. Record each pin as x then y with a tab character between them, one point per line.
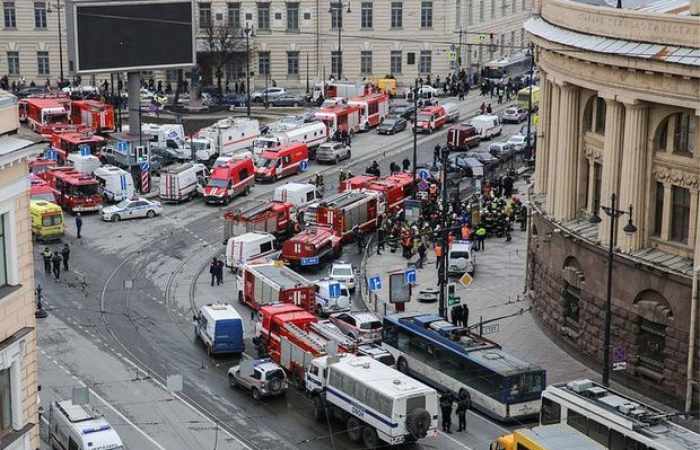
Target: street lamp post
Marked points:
60	41
415	135
444	242
613	213
339	24
249	32
531	75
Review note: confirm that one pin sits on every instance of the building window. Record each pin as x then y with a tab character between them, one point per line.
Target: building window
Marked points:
493	9
597	186
13	63
514	6
336	63
504	7
470	12
396	58
600	116
426	61
481	13
234	15
264	63
264	16
410	58
426	14
680	214
512	41
366	62
524	5
292	16
684	133
336	16
5	401
42	61
522	37
458	14
502	43
293	64
652	342
396	15
366	17
571	300
658	209
204	15
10	14
40	15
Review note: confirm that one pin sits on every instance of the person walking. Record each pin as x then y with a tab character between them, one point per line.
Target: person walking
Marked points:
65	253
463	404
465	315
381	236
456	315
480	238
436	154
406	164
446	409
56	260
78	223
219	272
421	254
489	110
46	255
213	267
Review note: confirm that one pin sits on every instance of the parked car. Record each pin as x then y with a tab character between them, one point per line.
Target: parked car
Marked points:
332	152
392	125
518	142
272	93
485	158
362	326
235	100
343	272
501	150
131	209
404	110
262	377
288	100
514	114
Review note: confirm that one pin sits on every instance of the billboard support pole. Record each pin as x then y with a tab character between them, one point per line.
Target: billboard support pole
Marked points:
133	85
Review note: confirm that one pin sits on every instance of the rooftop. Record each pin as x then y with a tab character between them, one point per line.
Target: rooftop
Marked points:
14	149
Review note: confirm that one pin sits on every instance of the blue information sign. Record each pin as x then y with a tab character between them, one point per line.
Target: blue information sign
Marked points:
424	174
304	165
409	276
123	147
375	283
334	290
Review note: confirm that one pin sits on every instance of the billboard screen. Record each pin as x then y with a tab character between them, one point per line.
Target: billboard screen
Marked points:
133	35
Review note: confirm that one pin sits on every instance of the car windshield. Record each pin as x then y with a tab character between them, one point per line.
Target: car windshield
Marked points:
262	144
217	182
517	139
47	196
425	117
399	109
274	375
342	272
511	111
268	163
123	204
456	255
371	325
388	122
85	190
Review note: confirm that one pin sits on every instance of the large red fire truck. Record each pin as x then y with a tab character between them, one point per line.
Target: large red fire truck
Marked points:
269	217
44	114
75	191
339	116
342	212
396	188
272	282
292	337
373	109
72	141
312	246
430	118
97	115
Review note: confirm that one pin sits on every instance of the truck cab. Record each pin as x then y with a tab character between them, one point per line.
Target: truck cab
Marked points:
326	303
78	427
229	181
47	220
298	194
277	163
250	246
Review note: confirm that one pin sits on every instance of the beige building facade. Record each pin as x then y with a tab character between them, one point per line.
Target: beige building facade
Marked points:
18	355
620	115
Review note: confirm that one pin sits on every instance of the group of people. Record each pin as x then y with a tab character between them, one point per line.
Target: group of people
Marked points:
447	401
216	270
53	260
454	84
507	88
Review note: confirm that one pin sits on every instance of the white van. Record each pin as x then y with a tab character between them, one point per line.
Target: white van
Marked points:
298	194
77	427
84	163
325	304
180	182
452	110
460	258
487	125
250	246
115	184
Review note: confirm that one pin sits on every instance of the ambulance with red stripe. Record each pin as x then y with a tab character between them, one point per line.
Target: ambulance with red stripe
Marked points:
430	118
225	138
229	180
275	163
373	109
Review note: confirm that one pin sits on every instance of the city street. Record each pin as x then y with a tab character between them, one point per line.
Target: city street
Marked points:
127	307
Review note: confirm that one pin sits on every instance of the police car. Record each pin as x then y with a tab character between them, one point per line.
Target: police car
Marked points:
131	209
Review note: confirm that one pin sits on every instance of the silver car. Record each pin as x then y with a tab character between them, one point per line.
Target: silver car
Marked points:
262	377
269	93
514	114
131	209
332	152
364	327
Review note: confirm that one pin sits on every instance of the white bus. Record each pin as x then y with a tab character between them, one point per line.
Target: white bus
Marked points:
612	419
450	358
76	427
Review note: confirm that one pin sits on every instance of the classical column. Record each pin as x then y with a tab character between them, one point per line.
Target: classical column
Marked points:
567	168
633	185
696	229
543	138
692	236
612	160
552	148
666	212
591	184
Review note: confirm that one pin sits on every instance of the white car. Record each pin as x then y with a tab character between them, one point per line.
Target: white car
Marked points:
518	142
514	114
131	209
272	93
364	327
343	272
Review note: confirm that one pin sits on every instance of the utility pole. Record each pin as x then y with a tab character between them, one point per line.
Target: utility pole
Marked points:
249	32
442	269
531	72
415	135
307	73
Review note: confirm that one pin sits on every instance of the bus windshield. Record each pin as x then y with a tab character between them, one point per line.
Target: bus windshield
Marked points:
523	97
493	73
523	387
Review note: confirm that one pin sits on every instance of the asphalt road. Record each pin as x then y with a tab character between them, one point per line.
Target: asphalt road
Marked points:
133	294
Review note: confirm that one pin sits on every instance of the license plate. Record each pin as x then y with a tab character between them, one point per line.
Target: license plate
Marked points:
309	261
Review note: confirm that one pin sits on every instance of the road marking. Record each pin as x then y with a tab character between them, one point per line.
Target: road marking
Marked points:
454	440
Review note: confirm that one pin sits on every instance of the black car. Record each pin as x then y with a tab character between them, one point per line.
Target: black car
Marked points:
288	100
404	110
29	91
391	125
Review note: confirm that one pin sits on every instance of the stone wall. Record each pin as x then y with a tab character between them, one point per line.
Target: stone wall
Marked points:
557	260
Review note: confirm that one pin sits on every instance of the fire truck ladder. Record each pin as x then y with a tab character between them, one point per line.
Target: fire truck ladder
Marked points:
315	343
331	332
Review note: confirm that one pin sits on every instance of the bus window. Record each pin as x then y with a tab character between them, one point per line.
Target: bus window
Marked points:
522	446
598	432
551	412
577	421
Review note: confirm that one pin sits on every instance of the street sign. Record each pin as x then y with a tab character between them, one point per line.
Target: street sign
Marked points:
51	154
304	165
454	301
409	276
489	329
123	147
309	261
423	185
618	366
144	166
334	290
424	174
84	150
375	283
465	280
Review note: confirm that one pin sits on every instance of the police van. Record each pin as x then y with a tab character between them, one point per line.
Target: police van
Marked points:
460	259
77	427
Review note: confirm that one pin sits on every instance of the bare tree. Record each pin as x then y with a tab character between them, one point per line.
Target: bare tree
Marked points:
221	42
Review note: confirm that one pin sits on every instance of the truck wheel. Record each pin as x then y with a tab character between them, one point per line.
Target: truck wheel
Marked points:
116	218
232	381
240	297
354	429
319	409
402	366
369	437
151	214
337	160
256	394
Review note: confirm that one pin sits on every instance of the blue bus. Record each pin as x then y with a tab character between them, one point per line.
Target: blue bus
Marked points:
450	358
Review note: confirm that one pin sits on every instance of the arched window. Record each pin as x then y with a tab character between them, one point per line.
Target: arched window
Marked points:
655	315
588	116
599	115
676	134
594	116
